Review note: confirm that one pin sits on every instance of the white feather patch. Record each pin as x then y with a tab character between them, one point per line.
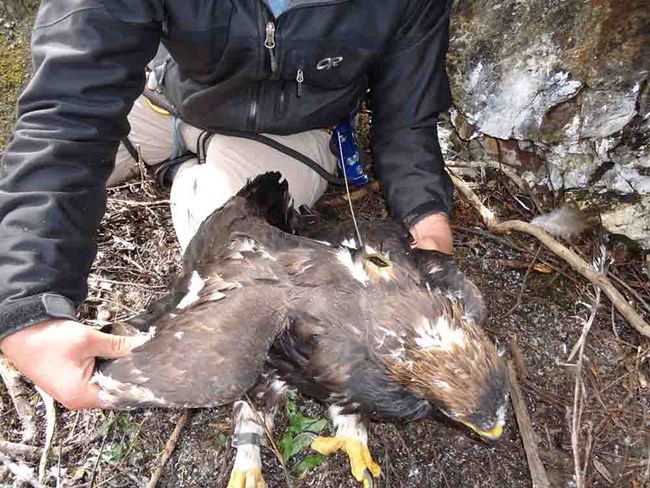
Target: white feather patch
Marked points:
323	242
356	269
114	391
196	285
565	222
248	245
501	413
435	269
348	426
439	335
350	242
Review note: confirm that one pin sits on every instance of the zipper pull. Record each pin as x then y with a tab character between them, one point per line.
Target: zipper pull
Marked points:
300	77
269	43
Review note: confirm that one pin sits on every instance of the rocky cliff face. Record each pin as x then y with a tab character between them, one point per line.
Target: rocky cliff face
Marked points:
559	89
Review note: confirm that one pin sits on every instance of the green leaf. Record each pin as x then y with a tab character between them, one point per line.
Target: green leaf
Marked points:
124	422
299	435
286	446
310	461
113	453
222	438
291	407
294	423
316	425
108	421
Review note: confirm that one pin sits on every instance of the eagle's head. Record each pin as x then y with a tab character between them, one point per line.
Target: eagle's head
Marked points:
440	354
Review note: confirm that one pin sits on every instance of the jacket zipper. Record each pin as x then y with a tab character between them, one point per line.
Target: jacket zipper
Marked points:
269	44
300	78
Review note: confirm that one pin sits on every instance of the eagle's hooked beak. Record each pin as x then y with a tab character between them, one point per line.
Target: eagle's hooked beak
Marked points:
491	435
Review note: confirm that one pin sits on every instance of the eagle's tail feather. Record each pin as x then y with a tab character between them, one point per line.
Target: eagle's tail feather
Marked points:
268	196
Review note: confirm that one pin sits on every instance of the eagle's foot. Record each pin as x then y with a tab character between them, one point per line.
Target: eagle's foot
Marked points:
247	471
361	460
351	438
246	479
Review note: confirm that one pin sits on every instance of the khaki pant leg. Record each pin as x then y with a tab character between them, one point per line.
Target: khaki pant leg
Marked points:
151	132
199	189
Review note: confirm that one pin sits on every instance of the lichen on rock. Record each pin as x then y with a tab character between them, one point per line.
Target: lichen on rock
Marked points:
562	85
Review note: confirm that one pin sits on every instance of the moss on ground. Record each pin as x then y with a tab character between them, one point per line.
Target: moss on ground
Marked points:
15	62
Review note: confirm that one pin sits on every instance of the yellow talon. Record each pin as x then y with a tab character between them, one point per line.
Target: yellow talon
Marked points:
357	451
246	479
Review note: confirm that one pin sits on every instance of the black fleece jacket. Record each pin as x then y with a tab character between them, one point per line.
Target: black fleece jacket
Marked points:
89	58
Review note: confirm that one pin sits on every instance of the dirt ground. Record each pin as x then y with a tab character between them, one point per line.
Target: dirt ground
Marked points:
138	256
539	301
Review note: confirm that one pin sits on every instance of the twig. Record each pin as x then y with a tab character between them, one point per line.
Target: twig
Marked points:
50	426
24	409
578	390
509	172
167	450
340	200
126	283
25	451
107	429
523	285
124	456
614	276
518	358
516	247
535	466
575	261
136	203
21	471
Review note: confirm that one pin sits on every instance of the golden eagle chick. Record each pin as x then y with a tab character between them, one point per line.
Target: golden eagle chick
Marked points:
436	351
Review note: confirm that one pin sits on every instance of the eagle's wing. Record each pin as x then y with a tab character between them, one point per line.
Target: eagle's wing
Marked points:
261	208
208	354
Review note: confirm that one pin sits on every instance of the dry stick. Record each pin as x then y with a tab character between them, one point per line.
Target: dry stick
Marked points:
25	451
136	203
578	395
575	261
20	471
50	425
19	395
510	173
167	450
106	430
523	286
518	358
535	466
612	274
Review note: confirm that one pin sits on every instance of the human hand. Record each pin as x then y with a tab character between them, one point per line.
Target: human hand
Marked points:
433	233
59	356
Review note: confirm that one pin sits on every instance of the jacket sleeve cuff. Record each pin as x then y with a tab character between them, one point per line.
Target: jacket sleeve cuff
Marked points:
18	314
424	210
